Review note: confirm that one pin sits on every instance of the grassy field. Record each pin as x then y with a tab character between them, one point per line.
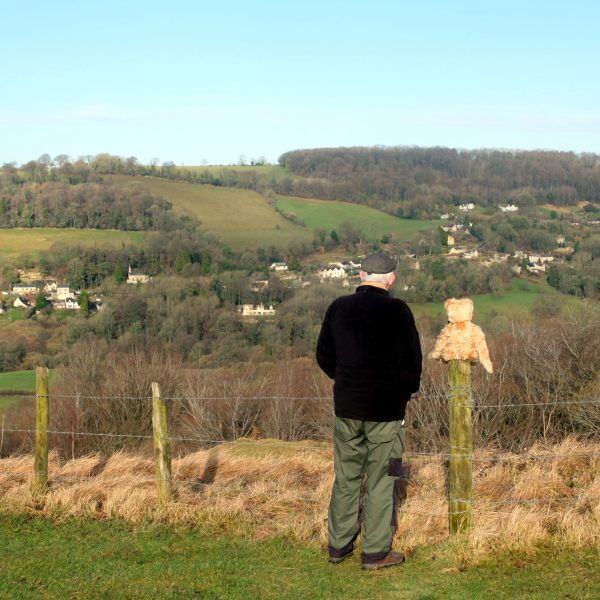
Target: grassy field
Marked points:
242	218
18	380
32	242
517	301
112	559
328	214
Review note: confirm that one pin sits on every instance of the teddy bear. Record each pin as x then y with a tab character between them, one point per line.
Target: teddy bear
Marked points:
461	339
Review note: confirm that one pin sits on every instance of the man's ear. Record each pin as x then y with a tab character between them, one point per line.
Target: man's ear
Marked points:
391	279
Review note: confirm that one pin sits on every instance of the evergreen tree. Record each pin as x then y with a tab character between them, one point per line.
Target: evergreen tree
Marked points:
119	273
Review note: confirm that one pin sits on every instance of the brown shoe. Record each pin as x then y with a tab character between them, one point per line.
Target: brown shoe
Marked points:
337	556
372	562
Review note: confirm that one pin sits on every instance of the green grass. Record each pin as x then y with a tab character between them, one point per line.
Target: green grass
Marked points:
516	302
110	559
13	314
18	380
35	241
242	218
328	214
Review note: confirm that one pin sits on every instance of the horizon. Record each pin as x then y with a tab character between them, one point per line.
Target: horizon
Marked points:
188	82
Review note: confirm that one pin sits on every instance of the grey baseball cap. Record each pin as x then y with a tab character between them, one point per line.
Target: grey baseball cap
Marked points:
378	262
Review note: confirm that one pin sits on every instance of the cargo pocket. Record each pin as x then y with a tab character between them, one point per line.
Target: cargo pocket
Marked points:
395	468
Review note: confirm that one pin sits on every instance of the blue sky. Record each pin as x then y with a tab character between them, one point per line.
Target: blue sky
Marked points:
197	81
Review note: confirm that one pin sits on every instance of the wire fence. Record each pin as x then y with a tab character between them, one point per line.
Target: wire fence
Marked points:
484	457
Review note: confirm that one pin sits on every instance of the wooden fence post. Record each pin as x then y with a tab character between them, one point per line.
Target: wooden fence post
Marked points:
42	406
461	447
162	447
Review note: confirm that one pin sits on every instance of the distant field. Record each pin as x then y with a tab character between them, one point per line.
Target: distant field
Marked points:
33	241
328	214
515	302
242	218
18	380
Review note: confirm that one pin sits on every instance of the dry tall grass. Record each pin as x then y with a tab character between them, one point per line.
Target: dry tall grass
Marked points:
268	488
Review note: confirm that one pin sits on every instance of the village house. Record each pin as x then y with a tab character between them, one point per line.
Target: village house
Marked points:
508	208
450	240
21	302
63	292
560	240
25	288
470	254
334	273
278	266
537	269
466	207
256	310
136	276
533	258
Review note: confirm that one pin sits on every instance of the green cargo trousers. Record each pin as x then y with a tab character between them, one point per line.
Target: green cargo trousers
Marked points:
375	449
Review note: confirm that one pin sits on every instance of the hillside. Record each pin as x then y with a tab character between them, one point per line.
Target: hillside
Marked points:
33	242
329	214
244	219
241	218
437	176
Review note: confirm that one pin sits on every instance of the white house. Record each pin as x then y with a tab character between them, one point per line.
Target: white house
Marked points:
450	240
335	273
136	276
63	291
25	288
254	310
508	208
278	266
540	259
21	302
466	207
71	304
536	269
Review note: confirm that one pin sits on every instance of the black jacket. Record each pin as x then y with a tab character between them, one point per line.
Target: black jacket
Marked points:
370	345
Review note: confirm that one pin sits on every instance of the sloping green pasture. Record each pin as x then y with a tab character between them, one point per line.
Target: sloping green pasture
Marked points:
516	302
242	218
37	240
329	214
18	380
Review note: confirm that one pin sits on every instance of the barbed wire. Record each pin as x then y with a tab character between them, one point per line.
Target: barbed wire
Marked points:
474	406
294	445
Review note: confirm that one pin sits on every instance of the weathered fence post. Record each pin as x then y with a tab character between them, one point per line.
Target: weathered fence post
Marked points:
460	476
42	405
460	344
162	447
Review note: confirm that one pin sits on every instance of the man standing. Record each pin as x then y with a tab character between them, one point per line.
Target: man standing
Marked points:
370	346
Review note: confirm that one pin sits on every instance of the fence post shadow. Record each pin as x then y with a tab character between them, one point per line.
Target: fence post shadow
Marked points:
209	473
